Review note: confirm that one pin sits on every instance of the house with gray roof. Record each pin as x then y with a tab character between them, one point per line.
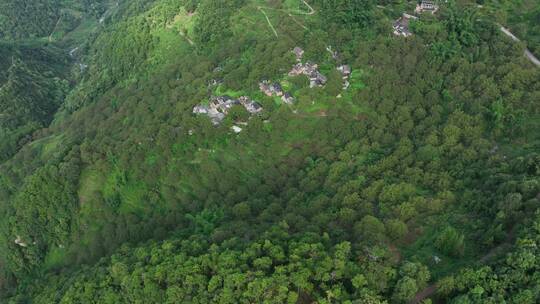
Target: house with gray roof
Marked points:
287	98
271	89
316	79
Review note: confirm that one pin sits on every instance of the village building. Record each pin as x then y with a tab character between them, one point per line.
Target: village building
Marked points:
264	86
253	107
427	6
271	89
276	89
297	70
223	103
401	26
287	98
317	79
311	70
345	70
200	109
299	53
215	116
219	107
236	129
244	100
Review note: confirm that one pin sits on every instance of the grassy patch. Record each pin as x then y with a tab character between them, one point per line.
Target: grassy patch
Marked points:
221	90
423	250
55	258
183	22
91	181
132	196
170	45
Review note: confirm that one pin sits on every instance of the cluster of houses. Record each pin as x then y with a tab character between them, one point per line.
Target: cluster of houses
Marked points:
275	89
219	107
401	26
311	70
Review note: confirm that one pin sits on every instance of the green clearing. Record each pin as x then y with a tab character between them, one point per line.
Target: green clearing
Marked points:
55	259
423	250
91	182
220	90
170	44
183	22
132	197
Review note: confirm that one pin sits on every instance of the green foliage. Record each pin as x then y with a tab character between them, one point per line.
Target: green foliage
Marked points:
29	97
263	272
27	18
450	242
512	280
42	214
328	200
213	21
132	43
347	13
30	19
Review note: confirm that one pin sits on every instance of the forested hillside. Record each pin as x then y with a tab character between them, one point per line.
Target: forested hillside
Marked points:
32	88
348	163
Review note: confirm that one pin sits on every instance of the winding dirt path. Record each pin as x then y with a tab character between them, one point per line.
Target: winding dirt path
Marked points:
311	10
424	294
55	26
261	9
290	13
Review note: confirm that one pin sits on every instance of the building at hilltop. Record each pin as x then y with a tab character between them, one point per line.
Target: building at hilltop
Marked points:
427	6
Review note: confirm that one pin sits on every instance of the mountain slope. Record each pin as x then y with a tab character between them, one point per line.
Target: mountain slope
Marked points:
368	192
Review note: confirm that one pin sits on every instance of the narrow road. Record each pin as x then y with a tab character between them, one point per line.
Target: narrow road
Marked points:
532	58
528	53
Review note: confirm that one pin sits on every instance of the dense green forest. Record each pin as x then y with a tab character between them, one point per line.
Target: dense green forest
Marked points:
416	181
